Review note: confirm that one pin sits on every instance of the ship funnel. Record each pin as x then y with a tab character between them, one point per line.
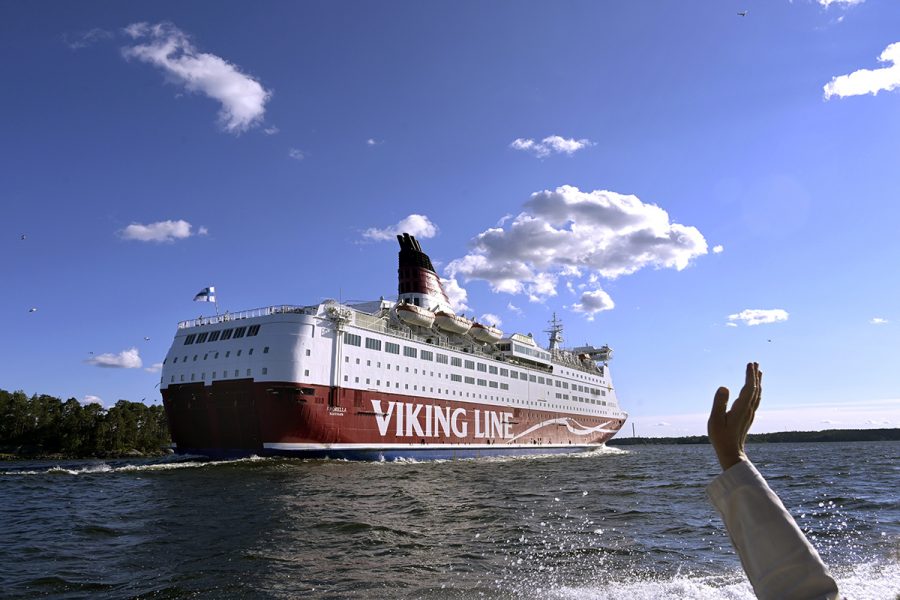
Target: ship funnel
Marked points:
418	283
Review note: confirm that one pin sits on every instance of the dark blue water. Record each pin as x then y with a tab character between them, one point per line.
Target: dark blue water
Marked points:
615	524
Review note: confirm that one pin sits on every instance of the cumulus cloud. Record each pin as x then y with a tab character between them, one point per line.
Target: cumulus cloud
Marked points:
126	359
513	308
271	130
154	368
593	302
242	98
490	319
865	81
160	231
552	144
91	399
570	234
878	321
416	225
827	3
296	154
457	295
757	316
718	249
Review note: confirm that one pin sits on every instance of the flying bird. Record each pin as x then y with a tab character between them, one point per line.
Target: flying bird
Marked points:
32	309
146	339
742	13
24	236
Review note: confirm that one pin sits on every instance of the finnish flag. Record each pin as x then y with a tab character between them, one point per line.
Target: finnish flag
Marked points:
206	295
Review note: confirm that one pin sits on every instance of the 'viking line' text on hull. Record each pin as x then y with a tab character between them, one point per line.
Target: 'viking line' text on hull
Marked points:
362	381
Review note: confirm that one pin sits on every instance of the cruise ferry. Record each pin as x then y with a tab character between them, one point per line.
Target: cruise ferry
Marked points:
382	380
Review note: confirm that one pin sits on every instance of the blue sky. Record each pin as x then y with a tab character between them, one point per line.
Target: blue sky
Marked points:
661	175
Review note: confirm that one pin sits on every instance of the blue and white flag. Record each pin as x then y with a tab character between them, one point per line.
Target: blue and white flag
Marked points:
206	295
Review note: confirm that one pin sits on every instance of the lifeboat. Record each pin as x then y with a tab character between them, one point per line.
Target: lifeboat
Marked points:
415	315
451	323
485	333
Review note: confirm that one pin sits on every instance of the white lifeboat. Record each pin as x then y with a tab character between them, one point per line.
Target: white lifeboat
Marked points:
452	323
485	333
415	315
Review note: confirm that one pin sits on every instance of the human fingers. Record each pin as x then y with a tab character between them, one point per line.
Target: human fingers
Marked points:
720	404
745	399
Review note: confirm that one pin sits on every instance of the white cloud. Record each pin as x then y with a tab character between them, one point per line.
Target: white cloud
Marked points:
91	399
416	225
154	368
830	422
271	130
593	302
242	97
513	308
126	359
567	233
160	231
827	3
77	41
718	249
878	321
457	295
296	154
490	319
731	324
865	81
373	142
552	144
758	316
663	424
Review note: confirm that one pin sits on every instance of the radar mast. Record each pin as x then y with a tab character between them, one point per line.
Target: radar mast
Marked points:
555	331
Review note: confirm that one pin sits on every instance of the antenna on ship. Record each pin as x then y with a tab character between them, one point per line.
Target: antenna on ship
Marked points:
555	332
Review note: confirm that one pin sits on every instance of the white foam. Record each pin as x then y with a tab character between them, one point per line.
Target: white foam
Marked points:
94	469
865	581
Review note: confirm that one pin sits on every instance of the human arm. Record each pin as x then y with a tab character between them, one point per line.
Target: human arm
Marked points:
778	559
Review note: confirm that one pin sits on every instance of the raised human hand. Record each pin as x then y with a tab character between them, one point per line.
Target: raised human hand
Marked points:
728	428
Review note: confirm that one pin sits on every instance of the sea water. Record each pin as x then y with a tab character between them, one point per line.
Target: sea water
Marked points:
616	523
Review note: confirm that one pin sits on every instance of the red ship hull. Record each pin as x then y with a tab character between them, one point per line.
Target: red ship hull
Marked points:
242	418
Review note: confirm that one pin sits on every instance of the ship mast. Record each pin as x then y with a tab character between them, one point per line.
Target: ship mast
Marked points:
555	332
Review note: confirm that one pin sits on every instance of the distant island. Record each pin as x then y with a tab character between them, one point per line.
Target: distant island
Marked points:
43	426
828	435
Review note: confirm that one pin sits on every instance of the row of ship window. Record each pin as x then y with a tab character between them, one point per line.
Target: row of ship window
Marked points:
237	373
375	344
415	388
482	382
221	335
216	355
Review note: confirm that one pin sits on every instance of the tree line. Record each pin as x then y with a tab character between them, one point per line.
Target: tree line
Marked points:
828	435
44	425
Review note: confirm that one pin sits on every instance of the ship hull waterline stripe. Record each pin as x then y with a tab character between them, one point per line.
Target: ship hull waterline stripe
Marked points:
420	447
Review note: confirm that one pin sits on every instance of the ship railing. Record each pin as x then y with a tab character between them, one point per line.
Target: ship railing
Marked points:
247	314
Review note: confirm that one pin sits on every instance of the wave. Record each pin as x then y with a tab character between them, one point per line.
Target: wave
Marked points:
100	468
870	580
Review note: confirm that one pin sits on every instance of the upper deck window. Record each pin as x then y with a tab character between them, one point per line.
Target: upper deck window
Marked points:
253	330
409	351
226	335
392	348
470	364
190	339
442	358
239	332
201	337
426	355
456	362
373	344
214	335
352	339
